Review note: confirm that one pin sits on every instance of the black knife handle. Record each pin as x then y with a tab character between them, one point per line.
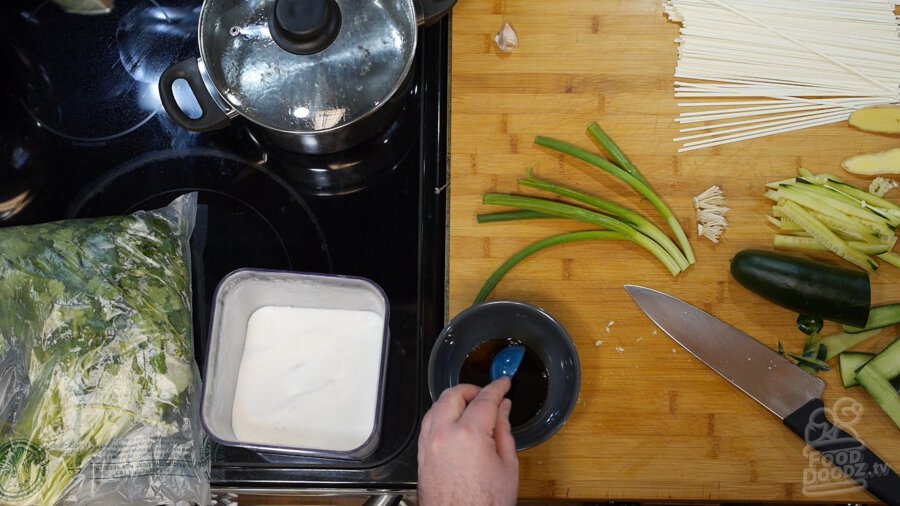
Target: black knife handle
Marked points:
845	451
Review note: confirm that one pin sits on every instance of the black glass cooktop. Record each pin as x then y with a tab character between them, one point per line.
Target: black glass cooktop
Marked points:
83	134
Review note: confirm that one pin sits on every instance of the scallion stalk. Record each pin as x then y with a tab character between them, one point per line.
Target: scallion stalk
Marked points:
640	223
511	216
612	148
637	183
570	211
593	235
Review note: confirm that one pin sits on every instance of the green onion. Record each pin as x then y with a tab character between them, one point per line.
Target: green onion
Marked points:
511	216
494	279
612	148
641	224
635	182
569	211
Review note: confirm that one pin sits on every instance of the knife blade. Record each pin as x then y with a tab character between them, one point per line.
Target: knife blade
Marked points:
779	385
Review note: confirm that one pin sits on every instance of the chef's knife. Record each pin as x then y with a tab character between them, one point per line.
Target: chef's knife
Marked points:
778	384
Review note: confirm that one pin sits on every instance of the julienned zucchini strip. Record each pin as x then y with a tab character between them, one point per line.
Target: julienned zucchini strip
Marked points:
588	235
640	223
835	209
569	211
849	362
876	374
887	362
806	242
864	223
879	318
835	183
881	390
819	197
842	226
891	258
787	226
839	342
637	183
829	239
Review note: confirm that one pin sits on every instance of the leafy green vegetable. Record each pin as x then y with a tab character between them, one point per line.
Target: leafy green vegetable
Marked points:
97	314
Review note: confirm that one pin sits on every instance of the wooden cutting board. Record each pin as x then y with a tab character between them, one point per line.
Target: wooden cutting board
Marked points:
652	422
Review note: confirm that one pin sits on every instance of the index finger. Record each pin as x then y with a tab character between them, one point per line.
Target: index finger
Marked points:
451	404
482	411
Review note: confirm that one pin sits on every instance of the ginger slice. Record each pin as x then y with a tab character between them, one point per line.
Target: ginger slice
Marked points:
873	164
879	119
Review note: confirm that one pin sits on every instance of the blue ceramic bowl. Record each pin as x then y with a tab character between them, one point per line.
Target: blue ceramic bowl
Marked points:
473	337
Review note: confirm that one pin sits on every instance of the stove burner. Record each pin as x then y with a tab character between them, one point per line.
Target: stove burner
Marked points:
356	168
74	84
247	216
65	93
23	168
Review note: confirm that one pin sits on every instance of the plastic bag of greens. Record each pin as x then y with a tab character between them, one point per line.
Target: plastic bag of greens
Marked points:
98	384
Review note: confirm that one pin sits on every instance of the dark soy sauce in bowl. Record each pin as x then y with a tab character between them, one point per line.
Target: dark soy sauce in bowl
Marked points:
529	386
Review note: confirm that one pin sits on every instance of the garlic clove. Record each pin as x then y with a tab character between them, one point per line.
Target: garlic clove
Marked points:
507	40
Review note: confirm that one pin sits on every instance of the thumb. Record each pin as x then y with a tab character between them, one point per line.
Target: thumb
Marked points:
506	444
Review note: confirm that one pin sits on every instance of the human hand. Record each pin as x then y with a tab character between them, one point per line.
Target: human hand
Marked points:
467	454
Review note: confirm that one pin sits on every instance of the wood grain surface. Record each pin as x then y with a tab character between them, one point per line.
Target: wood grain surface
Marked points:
652	423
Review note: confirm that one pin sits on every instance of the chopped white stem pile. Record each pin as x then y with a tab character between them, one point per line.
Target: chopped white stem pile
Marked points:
710	209
753	68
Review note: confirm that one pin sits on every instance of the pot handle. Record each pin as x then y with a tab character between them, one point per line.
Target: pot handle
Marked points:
430	11
212	117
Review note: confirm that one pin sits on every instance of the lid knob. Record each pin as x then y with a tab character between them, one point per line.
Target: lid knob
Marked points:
304	26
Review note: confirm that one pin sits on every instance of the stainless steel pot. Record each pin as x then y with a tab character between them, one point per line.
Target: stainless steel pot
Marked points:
313	76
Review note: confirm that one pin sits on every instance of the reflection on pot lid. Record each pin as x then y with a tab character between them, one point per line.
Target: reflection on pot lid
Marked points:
307	65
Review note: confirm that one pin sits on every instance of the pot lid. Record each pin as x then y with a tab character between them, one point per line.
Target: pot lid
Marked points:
307	65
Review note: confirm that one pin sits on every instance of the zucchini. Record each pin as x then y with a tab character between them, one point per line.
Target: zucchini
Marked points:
887	362
799	242
879	318
849	362
806	286
809	325
881	390
835	244
876	375
838	343
851	222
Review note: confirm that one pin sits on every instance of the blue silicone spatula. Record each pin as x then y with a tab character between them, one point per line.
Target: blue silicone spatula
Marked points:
507	362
